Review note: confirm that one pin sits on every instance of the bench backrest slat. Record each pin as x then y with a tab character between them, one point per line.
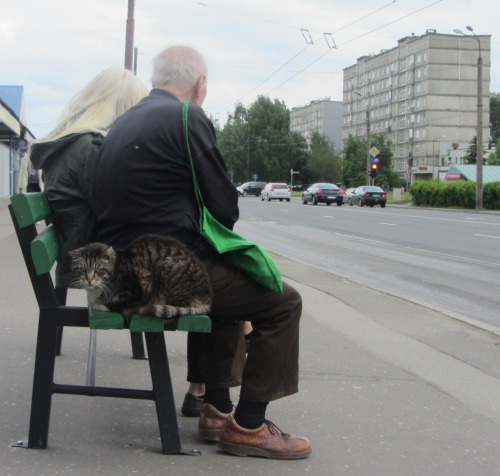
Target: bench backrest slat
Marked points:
45	250
30	208
26	210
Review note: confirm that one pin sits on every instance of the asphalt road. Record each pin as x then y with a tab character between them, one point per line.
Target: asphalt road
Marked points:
446	260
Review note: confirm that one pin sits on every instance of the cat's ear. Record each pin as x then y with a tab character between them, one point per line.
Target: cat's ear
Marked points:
109	250
75	253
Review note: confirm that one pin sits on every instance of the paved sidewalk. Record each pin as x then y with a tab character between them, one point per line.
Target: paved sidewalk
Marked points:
387	388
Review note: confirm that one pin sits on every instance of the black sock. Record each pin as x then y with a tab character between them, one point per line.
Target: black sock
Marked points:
250	415
219	398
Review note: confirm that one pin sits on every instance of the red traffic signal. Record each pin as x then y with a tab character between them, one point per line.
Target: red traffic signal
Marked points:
373	169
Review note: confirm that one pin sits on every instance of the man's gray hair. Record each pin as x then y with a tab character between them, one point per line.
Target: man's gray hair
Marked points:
178	63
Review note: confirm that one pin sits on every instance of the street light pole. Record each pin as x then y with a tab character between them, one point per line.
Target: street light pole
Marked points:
479	134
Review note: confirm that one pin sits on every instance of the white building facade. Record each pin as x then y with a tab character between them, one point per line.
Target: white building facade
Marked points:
323	116
423	94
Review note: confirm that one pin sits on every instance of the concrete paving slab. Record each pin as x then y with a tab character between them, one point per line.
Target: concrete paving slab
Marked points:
387	388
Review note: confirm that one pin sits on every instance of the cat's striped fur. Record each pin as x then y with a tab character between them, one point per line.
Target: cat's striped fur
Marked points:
156	276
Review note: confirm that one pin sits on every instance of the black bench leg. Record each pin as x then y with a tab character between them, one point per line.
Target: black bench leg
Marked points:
137	345
59	340
62	294
42	384
162	389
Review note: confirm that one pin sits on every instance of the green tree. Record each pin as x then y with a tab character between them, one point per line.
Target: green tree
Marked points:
354	169
495	117
354	162
471	154
324	164
257	141
387	177
269	126
494	157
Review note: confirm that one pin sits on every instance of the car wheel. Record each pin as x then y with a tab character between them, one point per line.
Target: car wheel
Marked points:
304	201
315	201
350	203
269	198
372	205
262	198
287	199
245	193
328	203
281	199
382	205
339	204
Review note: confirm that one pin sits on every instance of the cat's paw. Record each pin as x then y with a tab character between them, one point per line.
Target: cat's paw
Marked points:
100	307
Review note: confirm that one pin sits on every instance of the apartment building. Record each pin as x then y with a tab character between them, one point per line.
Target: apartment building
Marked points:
323	116
423	94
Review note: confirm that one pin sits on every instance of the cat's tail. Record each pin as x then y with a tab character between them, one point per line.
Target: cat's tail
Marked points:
166	311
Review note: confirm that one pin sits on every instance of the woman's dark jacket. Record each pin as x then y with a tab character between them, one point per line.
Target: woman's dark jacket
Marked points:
68	172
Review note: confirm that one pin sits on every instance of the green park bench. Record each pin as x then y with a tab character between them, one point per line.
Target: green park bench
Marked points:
40	252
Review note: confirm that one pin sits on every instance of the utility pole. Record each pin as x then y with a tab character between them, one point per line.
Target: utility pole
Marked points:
479	134
368	153
129	37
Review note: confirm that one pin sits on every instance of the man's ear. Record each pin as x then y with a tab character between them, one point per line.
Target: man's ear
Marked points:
200	90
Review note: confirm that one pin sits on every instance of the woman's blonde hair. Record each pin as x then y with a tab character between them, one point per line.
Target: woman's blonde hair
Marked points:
99	103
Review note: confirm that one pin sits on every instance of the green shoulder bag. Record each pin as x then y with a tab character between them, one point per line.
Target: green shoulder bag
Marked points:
234	249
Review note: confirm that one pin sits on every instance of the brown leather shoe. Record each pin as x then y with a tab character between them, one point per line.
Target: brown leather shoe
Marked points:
212	422
267	441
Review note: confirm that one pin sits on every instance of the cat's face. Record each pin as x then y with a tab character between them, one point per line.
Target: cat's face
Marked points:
93	266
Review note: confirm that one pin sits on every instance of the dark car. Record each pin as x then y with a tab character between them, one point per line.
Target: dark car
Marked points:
323	193
368	195
251	188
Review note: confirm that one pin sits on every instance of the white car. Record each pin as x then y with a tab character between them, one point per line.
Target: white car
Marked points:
276	191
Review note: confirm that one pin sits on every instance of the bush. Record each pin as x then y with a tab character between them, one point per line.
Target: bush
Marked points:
434	193
491	196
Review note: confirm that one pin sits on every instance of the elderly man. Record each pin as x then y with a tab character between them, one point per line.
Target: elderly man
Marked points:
144	185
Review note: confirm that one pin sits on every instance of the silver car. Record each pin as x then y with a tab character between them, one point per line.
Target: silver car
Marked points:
276	191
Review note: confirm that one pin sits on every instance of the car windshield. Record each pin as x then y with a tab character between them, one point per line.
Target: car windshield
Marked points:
373	189
328	186
279	185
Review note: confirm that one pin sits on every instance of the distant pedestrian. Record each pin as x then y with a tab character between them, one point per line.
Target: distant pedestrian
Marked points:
33	178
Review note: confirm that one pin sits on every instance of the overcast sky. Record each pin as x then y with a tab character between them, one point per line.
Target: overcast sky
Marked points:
275	48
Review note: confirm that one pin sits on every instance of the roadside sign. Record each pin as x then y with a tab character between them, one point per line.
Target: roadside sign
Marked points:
374	151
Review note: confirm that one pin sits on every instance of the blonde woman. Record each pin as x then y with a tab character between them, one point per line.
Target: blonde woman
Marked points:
68	157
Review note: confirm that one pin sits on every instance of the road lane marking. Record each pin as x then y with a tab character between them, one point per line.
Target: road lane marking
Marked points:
418	249
424	217
310	229
487	236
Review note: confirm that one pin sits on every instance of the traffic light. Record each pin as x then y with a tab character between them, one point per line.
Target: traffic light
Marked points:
373	170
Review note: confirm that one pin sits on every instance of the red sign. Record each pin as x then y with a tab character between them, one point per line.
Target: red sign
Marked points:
453	177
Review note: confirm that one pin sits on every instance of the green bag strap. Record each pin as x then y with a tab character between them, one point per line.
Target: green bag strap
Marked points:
199	198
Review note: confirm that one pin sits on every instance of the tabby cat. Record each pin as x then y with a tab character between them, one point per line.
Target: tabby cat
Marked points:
155	276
